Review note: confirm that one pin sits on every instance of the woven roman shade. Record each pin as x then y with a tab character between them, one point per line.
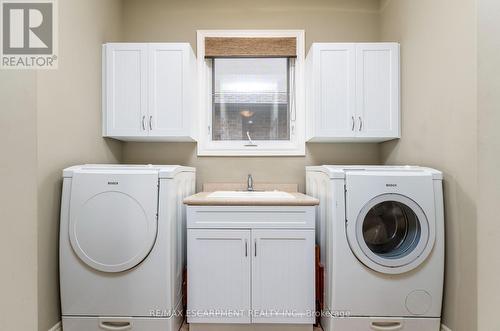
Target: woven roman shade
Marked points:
250	47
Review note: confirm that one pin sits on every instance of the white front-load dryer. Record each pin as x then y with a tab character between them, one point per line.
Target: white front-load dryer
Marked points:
382	245
122	246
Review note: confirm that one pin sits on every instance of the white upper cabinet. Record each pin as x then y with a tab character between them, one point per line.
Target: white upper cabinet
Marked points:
353	92
125	104
149	91
331	90
377	90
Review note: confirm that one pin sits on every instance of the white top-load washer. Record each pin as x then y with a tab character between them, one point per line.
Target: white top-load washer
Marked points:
122	246
382	246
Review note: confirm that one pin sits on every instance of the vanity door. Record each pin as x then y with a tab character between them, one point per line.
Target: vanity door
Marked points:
283	276
218	276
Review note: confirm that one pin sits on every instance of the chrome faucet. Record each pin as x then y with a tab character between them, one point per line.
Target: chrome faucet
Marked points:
249	183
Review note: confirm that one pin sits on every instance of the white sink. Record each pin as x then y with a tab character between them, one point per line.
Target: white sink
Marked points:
251	195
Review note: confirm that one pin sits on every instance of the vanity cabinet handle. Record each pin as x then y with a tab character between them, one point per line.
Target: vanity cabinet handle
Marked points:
255	248
246	247
143	124
360	123
353	122
150	122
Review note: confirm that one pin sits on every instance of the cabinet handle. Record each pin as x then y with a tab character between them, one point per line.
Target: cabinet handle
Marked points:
360	123
150	122
353	122
246	247
255	248
143	124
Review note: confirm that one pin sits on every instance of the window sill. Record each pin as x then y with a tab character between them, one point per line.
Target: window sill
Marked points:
262	149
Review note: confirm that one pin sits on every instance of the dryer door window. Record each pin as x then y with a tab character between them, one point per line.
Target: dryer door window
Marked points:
391	229
391	234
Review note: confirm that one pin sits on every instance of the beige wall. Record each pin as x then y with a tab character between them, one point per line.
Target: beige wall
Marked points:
488	163
18	239
323	20
69	127
439	127
263	169
52	118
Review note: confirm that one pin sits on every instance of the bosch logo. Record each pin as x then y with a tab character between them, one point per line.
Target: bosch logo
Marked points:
391	185
112	183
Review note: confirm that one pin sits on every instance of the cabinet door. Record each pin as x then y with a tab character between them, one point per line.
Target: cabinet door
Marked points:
377	90
283	276
218	276
167	111
125	83
335	90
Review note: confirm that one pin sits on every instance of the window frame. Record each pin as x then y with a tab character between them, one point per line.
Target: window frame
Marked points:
208	147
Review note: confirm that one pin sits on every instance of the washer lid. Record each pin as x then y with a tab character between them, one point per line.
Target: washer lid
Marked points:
164	171
340	171
387	229
113	218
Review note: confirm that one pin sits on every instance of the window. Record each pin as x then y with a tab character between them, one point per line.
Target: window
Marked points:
250	99
251	104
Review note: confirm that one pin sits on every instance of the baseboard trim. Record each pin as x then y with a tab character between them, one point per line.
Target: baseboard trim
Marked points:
57	327
445	328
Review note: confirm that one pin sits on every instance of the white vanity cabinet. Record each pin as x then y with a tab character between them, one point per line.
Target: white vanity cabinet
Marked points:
255	261
149	91
282	274
353	92
219	273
